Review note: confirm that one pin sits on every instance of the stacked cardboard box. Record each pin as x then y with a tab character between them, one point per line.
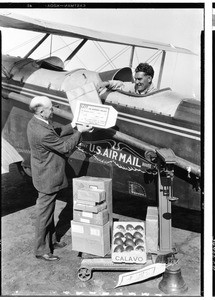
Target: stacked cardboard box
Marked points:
92	215
100	218
152	229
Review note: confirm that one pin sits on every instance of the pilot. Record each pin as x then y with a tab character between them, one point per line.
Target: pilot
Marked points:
48	150
143	85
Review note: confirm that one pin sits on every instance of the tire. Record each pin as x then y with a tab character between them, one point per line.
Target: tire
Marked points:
84	274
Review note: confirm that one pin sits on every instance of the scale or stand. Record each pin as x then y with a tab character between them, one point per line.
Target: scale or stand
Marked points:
91	263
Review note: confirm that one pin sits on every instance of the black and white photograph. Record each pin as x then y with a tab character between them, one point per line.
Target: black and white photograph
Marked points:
103	147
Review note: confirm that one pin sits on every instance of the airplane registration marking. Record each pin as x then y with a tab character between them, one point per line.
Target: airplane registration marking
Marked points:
127	117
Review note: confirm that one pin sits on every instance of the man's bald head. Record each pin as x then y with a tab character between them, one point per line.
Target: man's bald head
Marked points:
39	102
42	107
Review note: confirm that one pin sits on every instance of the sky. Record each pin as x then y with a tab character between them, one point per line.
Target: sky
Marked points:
179	27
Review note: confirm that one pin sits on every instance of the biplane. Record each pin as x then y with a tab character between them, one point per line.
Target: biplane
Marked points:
126	152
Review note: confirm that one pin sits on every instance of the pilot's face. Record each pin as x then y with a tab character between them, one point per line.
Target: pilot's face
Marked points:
142	81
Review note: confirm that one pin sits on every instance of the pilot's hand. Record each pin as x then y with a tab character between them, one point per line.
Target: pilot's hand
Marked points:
84	128
101	85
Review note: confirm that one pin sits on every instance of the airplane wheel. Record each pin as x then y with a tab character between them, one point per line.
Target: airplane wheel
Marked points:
84	274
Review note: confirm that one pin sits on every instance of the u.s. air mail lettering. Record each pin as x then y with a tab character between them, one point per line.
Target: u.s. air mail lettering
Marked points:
121	155
116	156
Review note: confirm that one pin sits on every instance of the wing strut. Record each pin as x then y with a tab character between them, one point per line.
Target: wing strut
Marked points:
161	69
37	45
76	50
132	56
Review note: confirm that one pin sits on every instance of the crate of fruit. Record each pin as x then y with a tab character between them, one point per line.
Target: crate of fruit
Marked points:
129	243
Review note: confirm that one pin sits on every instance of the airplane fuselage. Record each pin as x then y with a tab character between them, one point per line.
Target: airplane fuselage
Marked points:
100	154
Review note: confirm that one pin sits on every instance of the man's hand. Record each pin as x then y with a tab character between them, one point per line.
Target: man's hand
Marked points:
84	128
101	85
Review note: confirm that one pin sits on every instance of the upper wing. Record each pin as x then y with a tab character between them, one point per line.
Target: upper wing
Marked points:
22	22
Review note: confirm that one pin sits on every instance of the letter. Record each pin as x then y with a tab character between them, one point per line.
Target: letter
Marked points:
92	148
110	153
105	153
137	162
127	258
122	157
129	160
98	150
115	154
130	258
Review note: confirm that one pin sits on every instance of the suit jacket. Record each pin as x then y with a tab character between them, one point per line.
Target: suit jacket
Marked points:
48	149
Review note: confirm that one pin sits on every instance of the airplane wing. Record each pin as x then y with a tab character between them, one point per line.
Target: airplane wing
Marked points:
16	21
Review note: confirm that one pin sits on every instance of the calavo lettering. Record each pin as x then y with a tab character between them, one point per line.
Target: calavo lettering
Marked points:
115	155
128	258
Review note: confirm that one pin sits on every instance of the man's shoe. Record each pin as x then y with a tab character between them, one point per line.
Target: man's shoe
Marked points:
48	257
59	245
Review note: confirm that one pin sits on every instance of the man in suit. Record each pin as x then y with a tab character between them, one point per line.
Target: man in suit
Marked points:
48	150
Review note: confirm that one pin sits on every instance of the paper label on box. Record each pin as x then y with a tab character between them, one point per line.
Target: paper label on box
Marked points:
84	220
87	214
93	187
94	231
77	228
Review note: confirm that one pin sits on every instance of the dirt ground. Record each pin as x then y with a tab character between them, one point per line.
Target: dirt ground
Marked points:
24	275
